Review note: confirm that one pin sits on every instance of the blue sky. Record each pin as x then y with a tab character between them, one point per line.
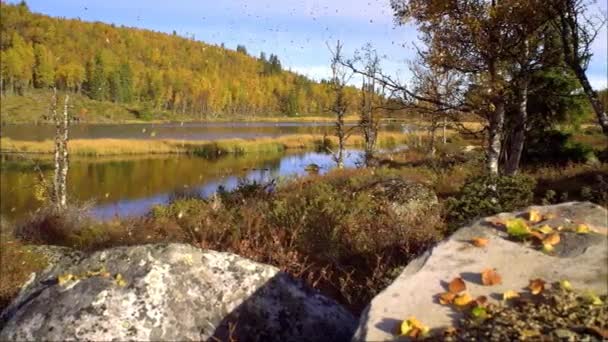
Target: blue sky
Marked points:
296	30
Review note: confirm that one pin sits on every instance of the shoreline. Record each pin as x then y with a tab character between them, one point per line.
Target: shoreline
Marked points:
206	148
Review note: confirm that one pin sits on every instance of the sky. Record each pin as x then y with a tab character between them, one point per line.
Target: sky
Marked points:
298	31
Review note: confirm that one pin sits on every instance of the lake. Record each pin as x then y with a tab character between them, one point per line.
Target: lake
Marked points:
131	186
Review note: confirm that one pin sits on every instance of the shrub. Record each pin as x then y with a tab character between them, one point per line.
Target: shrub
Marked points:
556	147
489	195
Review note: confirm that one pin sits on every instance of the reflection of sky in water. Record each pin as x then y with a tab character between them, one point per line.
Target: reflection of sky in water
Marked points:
290	166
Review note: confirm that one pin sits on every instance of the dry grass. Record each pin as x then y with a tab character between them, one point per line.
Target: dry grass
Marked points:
108	147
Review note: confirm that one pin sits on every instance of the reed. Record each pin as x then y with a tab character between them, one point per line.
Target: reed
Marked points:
110	147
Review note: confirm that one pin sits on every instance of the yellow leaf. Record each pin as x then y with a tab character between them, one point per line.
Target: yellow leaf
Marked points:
509	295
479	241
536	286
120	281
412	327
593	299
545	229
463	299
405	327
64	278
534	216
457	285
446	298
565	285
551	239
582	229
547	248
549	216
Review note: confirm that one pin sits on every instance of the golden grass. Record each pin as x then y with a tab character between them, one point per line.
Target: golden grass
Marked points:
109	147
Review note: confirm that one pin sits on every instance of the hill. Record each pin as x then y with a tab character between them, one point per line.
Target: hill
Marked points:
141	73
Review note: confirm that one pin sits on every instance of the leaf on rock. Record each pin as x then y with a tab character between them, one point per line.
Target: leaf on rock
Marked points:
463	299
549	216
496	222
490	277
534	216
551	239
120	281
582	229
509	295
538	235
536	286
479	312
545	229
413	328
547	248
446	298
481	301
65	278
479	242
592	298
564	284
517	228
457	285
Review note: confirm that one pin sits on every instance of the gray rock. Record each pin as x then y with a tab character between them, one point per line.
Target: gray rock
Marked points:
407	197
581	259
170	292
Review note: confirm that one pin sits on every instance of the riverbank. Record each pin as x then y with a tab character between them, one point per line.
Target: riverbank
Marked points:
108	147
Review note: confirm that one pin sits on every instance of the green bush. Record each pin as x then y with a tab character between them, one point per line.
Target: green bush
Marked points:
556	147
489	195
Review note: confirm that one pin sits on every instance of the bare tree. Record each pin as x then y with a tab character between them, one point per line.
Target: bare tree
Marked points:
339	80
371	103
59	193
578	29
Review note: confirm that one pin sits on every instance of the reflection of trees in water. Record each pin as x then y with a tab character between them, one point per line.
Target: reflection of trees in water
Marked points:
122	179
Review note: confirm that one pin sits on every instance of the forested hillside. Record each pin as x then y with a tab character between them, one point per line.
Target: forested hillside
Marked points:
149	71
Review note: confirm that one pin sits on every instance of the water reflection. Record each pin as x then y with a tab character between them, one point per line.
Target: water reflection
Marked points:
130	187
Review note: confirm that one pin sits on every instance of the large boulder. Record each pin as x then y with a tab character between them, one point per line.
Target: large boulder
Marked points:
170	292
406	197
581	259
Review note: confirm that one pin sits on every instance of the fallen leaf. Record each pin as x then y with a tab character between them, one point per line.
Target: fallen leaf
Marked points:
517	228
479	312
540	236
64	278
527	333
536	286
490	277
479	242
413	328
551	239
509	294
582	229
564	284
457	285
547	248
463	299
446	298
545	229
120	281
534	216
592	298
481	301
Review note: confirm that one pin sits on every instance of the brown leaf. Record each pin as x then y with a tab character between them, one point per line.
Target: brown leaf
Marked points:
490	277
479	242
446	298
536	286
481	301
540	236
457	285
551	239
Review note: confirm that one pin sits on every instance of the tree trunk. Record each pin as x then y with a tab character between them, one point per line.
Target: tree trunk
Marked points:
597	105
516	145
495	136
64	147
